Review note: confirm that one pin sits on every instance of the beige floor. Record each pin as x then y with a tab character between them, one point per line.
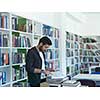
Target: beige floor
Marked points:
44	84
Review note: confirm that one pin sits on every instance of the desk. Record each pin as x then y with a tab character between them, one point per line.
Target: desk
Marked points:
95	77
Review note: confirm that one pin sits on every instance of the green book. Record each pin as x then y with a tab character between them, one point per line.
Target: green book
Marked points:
22	24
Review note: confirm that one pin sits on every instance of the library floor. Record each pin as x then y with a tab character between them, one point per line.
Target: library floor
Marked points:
44	84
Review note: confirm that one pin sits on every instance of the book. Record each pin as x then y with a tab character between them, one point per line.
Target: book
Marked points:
20	41
5	40
5	58
30	27
56	43
0	21
37	28
0	78
14	23
1	39
4	77
47	30
22	24
18	72
0	58
4	21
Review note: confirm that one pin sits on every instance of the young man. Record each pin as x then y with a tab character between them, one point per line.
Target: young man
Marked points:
35	62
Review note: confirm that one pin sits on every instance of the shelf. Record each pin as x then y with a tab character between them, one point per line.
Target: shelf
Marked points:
3	85
19	80
21	47
4	47
4	66
4	29
18	64
21	32
52	59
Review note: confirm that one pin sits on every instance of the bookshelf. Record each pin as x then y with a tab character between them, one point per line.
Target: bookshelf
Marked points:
52	54
21	36
91	55
17	35
74	52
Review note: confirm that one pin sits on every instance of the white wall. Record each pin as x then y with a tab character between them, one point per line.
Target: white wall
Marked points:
92	25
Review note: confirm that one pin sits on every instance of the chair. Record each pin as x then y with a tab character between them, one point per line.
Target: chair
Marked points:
87	82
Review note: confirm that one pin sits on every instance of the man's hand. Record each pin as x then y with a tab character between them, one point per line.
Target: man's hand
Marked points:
46	72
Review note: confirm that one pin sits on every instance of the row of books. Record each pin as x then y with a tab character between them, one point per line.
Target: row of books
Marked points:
4	58
51	54
3	77
50	31
88	53
20	41
4	21
47	30
4	40
69	53
72	45
89	40
70	36
72	53
18	57
90	59
50	65
19	23
18	72
90	46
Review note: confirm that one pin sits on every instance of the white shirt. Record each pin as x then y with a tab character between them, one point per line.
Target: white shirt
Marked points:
43	64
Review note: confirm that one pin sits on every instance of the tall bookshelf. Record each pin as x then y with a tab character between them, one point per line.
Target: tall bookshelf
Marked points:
74	51
17	35
91	55
52	54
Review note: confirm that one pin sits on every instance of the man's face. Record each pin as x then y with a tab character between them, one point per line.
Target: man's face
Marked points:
43	48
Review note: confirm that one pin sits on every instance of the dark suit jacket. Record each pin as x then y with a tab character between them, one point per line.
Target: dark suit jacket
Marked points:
33	60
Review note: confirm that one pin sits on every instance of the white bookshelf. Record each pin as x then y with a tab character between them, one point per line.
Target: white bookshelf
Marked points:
74	53
17	31
91	59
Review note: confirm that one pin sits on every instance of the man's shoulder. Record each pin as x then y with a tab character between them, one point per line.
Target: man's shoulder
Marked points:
33	49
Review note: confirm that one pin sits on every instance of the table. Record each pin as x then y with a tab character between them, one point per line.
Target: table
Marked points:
95	77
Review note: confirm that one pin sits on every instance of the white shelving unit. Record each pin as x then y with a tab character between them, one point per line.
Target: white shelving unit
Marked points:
91	53
74	45
20	34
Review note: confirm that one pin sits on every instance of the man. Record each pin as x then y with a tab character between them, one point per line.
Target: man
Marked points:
35	62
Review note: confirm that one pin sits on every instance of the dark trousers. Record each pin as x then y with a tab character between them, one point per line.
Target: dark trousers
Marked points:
36	85
31	85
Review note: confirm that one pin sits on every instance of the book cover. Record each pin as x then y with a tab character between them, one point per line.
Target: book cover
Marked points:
0	21
4	77
0	78
5	40
6	59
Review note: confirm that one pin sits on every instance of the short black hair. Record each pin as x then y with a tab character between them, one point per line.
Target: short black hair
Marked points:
45	40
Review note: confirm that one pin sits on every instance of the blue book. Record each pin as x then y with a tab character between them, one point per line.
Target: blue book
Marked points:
3	77
0	78
0	58
0	21
0	40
